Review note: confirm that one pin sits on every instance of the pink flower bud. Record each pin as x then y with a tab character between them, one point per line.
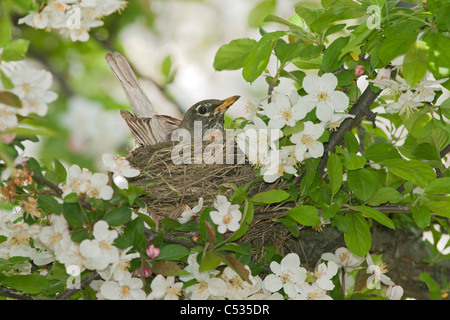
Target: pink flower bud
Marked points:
145	271
153	251
8	138
359	70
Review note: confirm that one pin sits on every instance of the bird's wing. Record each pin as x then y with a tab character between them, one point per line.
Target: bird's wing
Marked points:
141	105
150	131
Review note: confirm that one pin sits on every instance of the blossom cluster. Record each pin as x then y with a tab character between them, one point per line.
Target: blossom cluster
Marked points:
96	185
31	86
405	99
289	117
72	18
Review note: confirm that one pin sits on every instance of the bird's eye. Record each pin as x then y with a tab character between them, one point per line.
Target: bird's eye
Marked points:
202	110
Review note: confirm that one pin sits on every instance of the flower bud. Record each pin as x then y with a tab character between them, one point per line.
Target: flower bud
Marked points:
153	251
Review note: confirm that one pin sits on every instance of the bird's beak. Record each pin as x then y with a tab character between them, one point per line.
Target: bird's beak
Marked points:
225	104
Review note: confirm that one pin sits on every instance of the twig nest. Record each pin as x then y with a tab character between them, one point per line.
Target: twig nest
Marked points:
177	175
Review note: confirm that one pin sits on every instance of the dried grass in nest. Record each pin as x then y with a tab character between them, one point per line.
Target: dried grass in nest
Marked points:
172	186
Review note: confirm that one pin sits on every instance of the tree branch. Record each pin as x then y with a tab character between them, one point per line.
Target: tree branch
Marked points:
66	294
360	110
7	292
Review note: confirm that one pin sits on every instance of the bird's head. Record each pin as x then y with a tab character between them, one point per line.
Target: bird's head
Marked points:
209	112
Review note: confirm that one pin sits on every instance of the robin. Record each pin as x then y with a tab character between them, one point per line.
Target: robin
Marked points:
148	127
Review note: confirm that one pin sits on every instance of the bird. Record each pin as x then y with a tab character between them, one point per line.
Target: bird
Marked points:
150	128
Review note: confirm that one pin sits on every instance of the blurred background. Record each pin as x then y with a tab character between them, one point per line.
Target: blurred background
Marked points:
170	44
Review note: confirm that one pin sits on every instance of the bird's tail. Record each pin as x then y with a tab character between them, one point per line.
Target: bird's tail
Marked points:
141	105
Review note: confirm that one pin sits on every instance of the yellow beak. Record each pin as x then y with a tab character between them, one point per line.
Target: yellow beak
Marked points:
225	104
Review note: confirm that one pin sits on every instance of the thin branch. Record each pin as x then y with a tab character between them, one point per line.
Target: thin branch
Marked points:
385	209
49	184
66	294
445	151
361	109
9	293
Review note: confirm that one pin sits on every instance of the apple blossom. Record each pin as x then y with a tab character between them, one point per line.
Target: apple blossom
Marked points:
227	216
312	291
406	104
165	288
306	140
100	251
126	289
324	273
257	140
343	258
323	96
286	275
189	213
284	111
377	274
121	169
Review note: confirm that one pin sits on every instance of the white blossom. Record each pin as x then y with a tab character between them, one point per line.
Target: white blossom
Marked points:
284	110
343	258
73	19
406	104
323	96
128	288
377	274
165	288
306	140
324	273
227	216
287	275
312	291
100	251
121	169
189	213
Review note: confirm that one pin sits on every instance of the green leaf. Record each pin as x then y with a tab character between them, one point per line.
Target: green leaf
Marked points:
118	216
358	238
271	196
133	235
74	215
331	61
376	215
210	260
441	208
334	168
351	142
29	283
415	63
172	252
395	46
232	56
362	183
5	32
15	50
415	171
433	287
353	161
10	99
258	14
49	204
439	186
421	216
308	15
384	195
438	54
258	58
381	151
305	215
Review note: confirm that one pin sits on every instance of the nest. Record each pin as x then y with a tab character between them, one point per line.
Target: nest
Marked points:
172	186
